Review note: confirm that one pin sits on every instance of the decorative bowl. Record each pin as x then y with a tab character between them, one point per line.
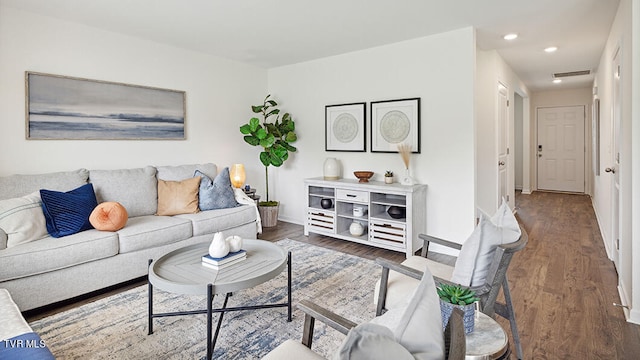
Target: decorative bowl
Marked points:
363	176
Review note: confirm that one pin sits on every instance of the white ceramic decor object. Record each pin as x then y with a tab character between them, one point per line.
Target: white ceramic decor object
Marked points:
356	228
235	243
219	246
331	169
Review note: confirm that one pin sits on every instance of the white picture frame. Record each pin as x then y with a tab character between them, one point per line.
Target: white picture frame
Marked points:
345	127
394	122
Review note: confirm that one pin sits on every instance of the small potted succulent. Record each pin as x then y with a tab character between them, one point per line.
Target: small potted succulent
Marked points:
457	296
388	177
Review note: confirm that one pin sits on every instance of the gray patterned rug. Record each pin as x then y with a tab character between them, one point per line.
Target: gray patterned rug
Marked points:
116	327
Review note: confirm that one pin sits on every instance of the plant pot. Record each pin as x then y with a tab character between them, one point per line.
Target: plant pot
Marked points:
269	215
468	319
388	179
397	212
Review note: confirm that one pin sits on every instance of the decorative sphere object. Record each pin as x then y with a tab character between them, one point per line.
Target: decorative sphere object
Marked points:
235	243
219	246
326	203
363	176
356	228
397	212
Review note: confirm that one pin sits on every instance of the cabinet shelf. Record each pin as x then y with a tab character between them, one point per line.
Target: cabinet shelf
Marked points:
372	199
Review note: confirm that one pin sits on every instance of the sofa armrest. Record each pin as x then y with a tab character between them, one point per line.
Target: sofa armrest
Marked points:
313	312
3	239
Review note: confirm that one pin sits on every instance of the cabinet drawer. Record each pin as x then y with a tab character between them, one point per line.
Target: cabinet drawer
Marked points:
388	233
321	220
352	195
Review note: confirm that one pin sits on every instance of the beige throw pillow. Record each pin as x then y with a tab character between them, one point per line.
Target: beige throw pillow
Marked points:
178	197
22	219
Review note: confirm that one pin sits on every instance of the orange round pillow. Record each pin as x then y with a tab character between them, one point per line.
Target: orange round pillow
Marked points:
109	216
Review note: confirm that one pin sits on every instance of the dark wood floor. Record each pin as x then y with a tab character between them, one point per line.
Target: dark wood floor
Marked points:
562	283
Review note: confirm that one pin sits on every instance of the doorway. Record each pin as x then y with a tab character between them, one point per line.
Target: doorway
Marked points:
560	148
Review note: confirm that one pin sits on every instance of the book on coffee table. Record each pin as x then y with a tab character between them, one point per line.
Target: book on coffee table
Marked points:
208	259
227	264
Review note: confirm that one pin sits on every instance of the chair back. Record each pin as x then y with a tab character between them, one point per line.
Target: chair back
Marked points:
497	274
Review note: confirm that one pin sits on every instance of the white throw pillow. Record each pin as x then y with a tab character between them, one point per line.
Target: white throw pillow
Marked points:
417	324
22	219
477	251
369	341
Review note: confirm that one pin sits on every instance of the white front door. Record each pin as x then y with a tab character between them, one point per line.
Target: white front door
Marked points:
503	145
560	148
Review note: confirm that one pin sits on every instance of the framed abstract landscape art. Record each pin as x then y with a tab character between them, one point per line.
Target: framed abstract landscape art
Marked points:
69	108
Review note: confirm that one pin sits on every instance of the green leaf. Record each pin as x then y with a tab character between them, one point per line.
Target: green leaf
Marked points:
245	129
291	137
254	124
265	159
279	151
271	102
273	112
275	160
286	117
261	134
272	129
252	140
268	141
289	147
257	109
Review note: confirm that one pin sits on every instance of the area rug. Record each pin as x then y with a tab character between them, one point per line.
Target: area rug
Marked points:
116	327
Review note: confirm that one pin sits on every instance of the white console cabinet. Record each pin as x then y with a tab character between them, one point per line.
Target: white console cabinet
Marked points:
347	201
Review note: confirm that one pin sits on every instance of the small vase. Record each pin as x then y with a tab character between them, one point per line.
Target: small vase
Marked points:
219	247
407	179
356	228
326	203
331	169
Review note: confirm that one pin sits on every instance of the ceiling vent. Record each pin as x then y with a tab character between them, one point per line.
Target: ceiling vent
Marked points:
572	73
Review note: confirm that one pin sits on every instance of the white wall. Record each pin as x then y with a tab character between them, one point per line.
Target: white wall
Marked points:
219	94
440	70
518	112
635	135
620	36
491	70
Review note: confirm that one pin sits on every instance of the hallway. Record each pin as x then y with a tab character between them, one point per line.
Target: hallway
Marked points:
564	286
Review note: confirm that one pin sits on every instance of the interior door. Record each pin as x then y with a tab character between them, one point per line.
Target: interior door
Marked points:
616	114
503	144
561	148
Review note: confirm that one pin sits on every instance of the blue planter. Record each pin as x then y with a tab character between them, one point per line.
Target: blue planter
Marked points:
468	319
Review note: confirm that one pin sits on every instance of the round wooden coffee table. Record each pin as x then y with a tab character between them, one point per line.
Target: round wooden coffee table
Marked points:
181	271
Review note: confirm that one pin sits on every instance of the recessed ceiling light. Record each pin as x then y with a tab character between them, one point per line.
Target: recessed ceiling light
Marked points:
551	49
510	36
557	81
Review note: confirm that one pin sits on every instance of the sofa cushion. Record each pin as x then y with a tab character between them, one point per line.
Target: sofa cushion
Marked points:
181	172
217	193
20	185
67	213
50	253
149	231
211	221
109	216
22	220
178	197
135	189
371	341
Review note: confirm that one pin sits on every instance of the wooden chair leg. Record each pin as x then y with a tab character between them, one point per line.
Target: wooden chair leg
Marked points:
511	315
307	330
382	294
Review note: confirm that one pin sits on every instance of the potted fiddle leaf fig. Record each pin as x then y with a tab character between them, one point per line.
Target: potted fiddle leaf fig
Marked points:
461	297
274	134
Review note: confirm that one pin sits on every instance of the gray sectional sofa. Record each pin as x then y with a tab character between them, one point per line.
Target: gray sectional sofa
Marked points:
50	270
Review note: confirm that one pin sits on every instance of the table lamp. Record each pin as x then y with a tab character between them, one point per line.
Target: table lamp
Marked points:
237	175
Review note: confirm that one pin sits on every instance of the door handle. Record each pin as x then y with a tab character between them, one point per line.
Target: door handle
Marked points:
500	163
611	170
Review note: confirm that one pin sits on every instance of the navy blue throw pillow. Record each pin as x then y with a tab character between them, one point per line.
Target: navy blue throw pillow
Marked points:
217	193
68	212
